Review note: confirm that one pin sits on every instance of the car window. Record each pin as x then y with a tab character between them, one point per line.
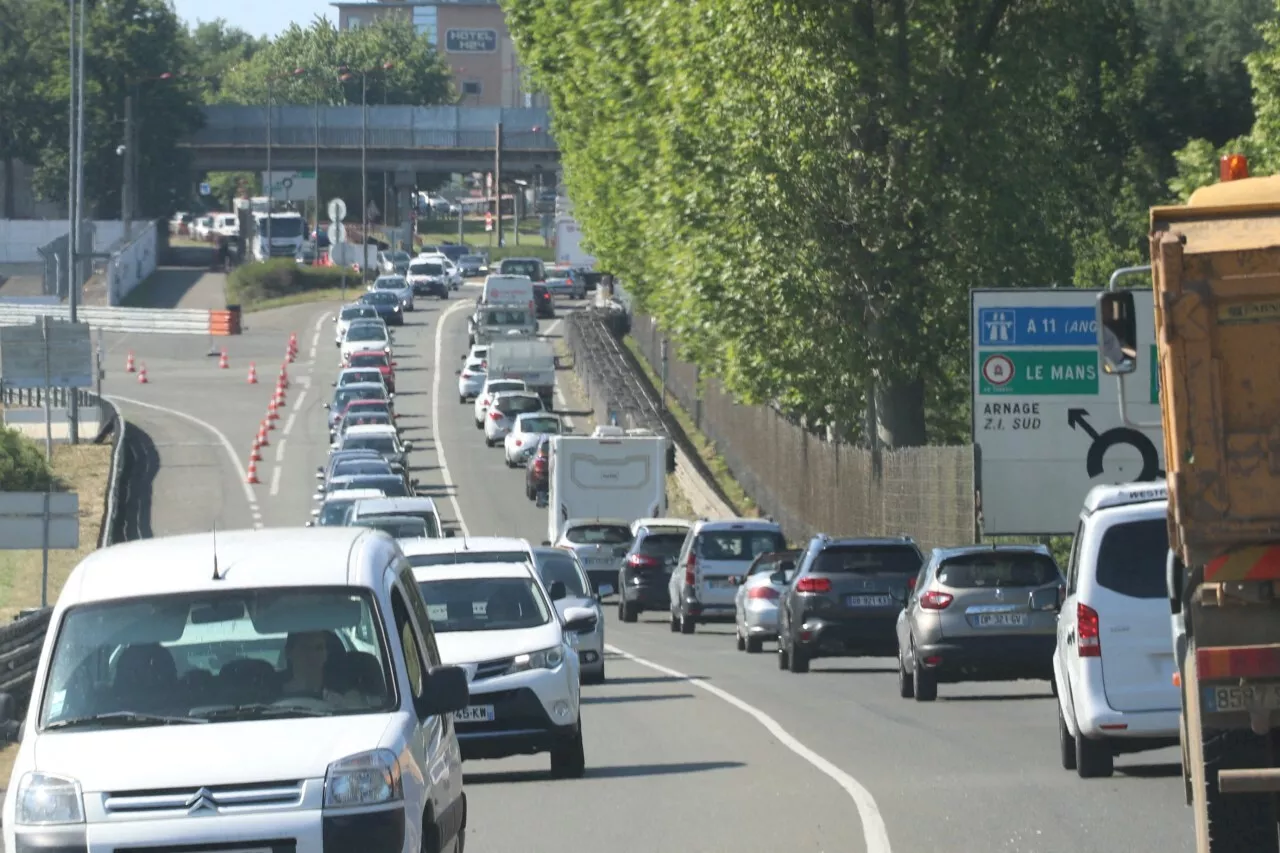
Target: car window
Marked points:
380	297
373	360
540	425
503	385
348	394
409	643
1073	564
352	467
364	417
240	654
353	312
518	405
662	544
389	284
392	487
786	565
398	527
1132	557
860	559
991	569
428	522
380	443
566	571
354	376
484	604
333	512
367	333
426	268
467	557
738	544
599	534
533	269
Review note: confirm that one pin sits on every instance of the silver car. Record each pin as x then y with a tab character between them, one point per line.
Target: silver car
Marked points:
397	284
504	410
393	261
558	565
600	544
755	607
560	287
344	396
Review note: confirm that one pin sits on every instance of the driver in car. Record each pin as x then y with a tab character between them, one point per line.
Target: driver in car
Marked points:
307	657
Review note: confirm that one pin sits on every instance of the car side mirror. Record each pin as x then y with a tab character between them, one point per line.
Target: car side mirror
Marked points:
309	524
444	692
1045	599
579	620
558	591
1117	332
604	591
546	543
408	445
778	577
326	405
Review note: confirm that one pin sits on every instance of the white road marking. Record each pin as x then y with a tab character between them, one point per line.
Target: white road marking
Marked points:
288	424
435	412
280	449
551	328
222	439
312	353
563	404
275	480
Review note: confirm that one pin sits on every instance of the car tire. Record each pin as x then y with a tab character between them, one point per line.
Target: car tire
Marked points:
742	643
906	680
507	460
1094	759
479	424
755	645
627	611
926	684
675	623
462	400
569	760
784	657
1066	742
799	662
488	442
687	624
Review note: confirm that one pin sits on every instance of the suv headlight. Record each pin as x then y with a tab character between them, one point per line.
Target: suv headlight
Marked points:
363	779
544	659
47	800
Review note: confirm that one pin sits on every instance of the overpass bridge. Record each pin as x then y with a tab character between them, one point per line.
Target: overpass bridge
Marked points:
399	139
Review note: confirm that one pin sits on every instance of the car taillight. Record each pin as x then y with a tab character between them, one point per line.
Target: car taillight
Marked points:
813	585
539	465
911	583
934	600
641	561
691	570
1088	632
767	592
519	442
497	416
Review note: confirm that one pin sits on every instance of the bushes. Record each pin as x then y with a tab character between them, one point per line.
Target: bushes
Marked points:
23	467
254	283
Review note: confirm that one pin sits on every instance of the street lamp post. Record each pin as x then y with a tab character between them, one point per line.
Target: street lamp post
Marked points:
347	74
129	182
297	72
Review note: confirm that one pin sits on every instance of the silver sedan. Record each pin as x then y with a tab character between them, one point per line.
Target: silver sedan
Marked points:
755	607
396	284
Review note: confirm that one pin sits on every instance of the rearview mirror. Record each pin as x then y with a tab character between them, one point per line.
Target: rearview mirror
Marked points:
445	691
558	590
1045	599
579	620
1117	332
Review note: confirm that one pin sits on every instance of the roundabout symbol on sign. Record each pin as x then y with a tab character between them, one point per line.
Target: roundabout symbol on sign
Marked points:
998	369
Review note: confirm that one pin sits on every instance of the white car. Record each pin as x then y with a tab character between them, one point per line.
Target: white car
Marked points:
396	284
452	273
557	565
333	512
503	411
348	315
522	439
500	623
468	549
1113	662
419	507
384	439
365	336
490	389
471	379
600	543
224	691
429	277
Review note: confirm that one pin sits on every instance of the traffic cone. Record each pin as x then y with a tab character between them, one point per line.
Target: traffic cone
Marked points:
222	361
283	379
128	363
254	455
279	397
288	354
253	374
272	414
142	374
293	341
262	435
252	477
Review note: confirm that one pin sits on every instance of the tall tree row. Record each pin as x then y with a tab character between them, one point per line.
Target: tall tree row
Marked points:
804	191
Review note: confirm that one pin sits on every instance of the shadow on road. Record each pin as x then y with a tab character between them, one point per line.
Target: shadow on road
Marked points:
993	697
642	697
1164	770
654	679
856	670
629	771
143	466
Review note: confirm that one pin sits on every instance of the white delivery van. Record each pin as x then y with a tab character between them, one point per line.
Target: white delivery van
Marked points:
508	290
287	232
606	475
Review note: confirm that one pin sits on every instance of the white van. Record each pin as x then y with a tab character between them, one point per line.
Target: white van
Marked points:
508	290
234	690
1113	662
605	476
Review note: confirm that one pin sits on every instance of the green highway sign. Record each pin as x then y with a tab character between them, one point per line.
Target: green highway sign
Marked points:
1039	372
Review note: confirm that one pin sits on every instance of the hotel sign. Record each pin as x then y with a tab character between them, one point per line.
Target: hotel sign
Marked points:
471	41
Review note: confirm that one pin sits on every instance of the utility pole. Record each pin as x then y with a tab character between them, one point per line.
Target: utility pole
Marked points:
497	180
315	168
126	186
77	250
271	196
364	173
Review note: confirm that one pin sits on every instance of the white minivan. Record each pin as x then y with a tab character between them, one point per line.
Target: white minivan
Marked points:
508	290
1113	662
248	690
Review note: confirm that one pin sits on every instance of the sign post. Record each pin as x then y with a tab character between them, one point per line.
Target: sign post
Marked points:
337	234
1046	422
44	520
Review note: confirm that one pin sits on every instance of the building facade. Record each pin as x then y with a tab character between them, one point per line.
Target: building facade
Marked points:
472	38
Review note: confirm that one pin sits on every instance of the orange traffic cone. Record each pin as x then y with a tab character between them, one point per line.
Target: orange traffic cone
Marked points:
278	399
284	377
128	363
293	341
253	374
272	414
142	374
262	434
254	455
253	473
288	354
222	361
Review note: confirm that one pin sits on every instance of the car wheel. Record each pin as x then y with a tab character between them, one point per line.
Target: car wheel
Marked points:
488	442
799	661
1093	758
627	611
926	682
687	624
742	644
675	623
784	656
479	424
755	645
906	680
462	399
569	761
507	459
1066	743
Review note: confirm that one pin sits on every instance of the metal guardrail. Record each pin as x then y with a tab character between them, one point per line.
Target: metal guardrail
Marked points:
300	136
165	321
59	398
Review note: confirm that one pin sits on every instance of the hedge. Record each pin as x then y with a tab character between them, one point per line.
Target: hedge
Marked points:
23	467
257	282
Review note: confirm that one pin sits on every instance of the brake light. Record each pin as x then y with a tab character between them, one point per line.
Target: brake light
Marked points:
1247	662
519	442
1088	632
496	416
911	583
641	561
762	592
691	570
813	585
934	600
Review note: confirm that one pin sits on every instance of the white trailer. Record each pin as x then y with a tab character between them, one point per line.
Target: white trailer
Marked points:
569	251
607	474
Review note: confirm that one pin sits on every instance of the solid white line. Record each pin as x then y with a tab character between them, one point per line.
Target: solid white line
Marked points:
302	395
874	832
280	449
312	354
551	328
275	480
435	413
288	424
226	445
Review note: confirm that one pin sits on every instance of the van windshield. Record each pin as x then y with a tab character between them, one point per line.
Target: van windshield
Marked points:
504	318
426	268
1131	559
218	656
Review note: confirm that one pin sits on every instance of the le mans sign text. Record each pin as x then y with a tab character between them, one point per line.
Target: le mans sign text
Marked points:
471	41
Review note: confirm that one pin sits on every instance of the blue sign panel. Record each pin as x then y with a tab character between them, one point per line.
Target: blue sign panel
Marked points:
1038	326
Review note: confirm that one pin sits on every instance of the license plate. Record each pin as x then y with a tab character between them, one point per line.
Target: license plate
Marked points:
1001	620
718	583
474	714
598	561
868	600
1261	697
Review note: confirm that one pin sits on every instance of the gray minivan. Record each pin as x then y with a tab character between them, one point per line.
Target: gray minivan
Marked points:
715	553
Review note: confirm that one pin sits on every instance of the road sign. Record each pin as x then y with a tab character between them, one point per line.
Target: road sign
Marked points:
337	232
65	360
337	210
1046	419
488	221
22	517
205	189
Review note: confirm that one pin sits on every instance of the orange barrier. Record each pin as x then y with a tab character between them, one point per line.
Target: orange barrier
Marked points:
224	323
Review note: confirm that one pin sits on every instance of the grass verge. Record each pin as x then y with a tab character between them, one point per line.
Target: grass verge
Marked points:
704	446
306	296
82	468
281	281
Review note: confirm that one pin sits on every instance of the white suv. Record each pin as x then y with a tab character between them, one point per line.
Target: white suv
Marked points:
488	393
248	689
500	623
1113	663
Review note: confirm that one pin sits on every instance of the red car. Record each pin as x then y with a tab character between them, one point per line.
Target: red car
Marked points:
378	359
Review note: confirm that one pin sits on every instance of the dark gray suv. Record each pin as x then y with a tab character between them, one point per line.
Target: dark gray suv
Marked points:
844	599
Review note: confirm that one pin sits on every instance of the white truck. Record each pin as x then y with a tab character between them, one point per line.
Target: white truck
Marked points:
569	251
608	474
287	233
530	360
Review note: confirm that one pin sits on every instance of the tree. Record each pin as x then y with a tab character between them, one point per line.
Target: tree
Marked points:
28	46
23	467
217	47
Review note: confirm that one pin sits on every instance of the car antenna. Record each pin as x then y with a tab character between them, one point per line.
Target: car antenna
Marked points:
215	554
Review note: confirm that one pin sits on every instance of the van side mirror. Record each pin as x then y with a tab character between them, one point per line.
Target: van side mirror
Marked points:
446	691
1045	599
1117	332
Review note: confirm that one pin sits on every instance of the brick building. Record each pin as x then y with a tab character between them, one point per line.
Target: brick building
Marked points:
471	36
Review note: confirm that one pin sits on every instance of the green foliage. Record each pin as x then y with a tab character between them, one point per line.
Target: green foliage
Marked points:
27	45
23	467
254	283
418	76
216	48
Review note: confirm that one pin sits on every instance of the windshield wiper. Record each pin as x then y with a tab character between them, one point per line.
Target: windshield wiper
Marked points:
260	709
123	718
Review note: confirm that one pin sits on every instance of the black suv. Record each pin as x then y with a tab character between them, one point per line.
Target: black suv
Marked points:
844	599
646	569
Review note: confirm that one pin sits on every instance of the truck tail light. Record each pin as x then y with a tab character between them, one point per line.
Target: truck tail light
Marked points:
1241	662
691	570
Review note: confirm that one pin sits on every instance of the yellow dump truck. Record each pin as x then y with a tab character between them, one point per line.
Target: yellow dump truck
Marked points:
1215	268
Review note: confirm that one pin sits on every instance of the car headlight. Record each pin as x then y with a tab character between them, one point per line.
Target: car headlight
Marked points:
363	779
544	659
47	800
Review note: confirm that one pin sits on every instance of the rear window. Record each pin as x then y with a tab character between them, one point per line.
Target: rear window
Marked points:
662	544
500	386
981	571
864	559
518	405
1131	560
533	269
599	534
786	564
463	558
738	544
